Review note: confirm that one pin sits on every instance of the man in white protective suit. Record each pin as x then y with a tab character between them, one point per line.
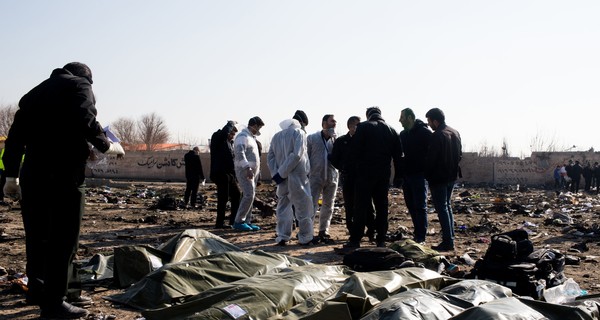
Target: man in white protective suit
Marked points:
289	166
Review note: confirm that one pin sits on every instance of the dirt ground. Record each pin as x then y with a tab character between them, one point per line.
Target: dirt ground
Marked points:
125	213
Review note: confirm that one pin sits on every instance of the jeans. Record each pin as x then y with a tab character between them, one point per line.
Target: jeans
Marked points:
415	196
441	196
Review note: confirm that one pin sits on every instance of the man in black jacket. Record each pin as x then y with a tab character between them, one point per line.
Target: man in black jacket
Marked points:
64	105
340	159
373	147
415	141
193	176
441	171
222	172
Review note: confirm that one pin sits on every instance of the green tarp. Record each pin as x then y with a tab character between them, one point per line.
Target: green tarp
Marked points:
195	275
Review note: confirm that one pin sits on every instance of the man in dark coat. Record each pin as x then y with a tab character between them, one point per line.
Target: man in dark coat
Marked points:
373	147
441	171
193	176
52	201
222	173
576	171
340	159
415	142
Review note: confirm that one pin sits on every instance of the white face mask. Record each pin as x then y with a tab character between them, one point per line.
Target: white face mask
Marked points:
331	132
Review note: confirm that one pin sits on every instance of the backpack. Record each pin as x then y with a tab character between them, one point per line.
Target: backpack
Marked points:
519	277
550	264
373	259
511	246
506	262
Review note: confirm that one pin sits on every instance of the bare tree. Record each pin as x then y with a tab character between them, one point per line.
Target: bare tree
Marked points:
152	131
505	152
540	143
125	129
7	115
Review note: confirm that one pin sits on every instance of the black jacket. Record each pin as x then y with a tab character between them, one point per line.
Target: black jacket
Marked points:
415	143
373	147
341	153
221	154
193	166
443	156
52	127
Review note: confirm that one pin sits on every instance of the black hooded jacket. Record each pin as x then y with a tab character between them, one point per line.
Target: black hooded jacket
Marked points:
415	143
221	153
52	127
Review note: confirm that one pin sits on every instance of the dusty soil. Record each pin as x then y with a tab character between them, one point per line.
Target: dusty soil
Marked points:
126	214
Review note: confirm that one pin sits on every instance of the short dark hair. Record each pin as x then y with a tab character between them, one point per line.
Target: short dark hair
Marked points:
373	110
301	117
408	113
255	121
326	117
436	114
80	70
352	119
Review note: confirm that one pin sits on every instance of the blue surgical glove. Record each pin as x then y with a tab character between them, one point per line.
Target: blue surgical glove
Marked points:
278	179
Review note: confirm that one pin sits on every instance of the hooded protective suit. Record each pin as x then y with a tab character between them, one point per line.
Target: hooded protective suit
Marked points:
288	157
323	177
247	163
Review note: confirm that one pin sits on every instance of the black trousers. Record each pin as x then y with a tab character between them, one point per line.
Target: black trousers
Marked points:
191	190
348	183
370	191
227	190
52	212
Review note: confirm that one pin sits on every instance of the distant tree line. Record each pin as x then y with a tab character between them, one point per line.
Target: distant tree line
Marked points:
150	130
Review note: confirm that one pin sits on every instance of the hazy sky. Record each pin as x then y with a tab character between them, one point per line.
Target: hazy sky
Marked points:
513	70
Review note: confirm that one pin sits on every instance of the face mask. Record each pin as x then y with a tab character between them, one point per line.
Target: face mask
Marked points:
331	132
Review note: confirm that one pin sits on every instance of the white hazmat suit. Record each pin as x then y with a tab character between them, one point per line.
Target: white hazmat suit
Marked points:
288	157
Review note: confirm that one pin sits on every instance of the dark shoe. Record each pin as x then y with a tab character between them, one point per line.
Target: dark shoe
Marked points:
63	311
443	247
325	238
282	243
312	242
81	301
371	235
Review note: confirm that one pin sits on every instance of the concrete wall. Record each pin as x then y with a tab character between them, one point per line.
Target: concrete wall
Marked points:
169	166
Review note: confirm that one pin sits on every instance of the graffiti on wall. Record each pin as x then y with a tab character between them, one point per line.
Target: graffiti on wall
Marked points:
520	171
158	163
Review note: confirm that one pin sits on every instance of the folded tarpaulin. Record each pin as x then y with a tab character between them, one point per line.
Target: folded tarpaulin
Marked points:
174	282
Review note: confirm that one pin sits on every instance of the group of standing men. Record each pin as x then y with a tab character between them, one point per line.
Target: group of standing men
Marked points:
422	159
308	167
568	176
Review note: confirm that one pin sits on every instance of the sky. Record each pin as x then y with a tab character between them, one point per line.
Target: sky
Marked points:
520	72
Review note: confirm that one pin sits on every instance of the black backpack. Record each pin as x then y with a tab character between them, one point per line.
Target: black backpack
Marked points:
511	246
505	262
550	264
373	259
